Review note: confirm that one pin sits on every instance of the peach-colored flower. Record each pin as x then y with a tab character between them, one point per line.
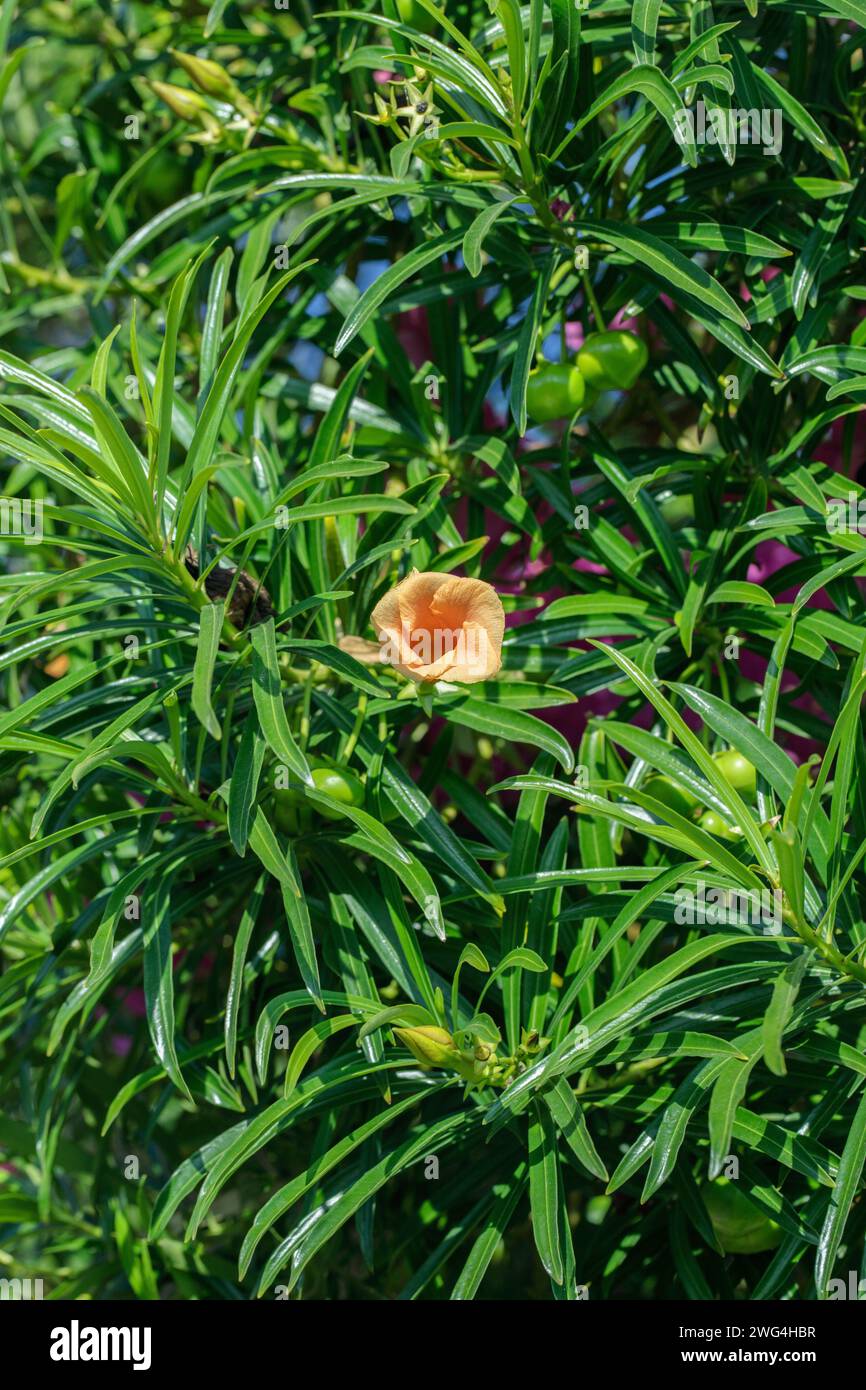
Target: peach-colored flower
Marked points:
435	627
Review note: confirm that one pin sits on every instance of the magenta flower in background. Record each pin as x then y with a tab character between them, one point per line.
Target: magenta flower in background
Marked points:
413	333
830	449
574	335
133	1003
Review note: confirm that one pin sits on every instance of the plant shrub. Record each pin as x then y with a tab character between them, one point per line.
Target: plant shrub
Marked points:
486	943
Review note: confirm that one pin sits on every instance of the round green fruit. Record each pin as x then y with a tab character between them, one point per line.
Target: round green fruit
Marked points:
737	771
340	783
415	16
740	1227
714	825
554	391
612	361
672	795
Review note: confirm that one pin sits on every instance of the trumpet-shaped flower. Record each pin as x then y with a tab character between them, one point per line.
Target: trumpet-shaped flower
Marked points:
437	627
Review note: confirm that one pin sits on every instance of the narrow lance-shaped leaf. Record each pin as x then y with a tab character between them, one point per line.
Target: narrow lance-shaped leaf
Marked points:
845	1189
159	980
210	628
545	1191
268	696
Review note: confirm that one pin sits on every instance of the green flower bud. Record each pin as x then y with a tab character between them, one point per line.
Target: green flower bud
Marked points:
207	75
432	1047
188	105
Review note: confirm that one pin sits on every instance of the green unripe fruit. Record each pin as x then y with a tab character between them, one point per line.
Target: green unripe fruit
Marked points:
737	771
340	783
671	794
415	16
714	825
740	1227
554	391
612	361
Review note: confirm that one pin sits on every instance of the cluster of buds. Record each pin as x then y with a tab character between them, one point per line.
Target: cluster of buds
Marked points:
469	1056
214	82
416	107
